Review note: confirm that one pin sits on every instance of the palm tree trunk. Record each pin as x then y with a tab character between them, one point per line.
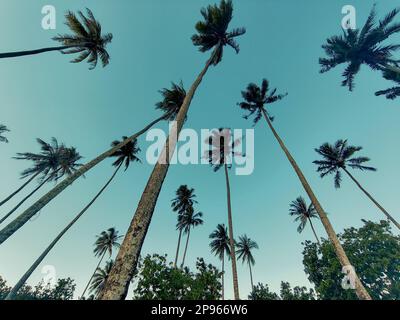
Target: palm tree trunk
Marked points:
90	280
186	246
177	249
231	238
373	200
32	52
125	265
26	198
315	234
28	273
43	201
341	254
223	276
19	189
251	278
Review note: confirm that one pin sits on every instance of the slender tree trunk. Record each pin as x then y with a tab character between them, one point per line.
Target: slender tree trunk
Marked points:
32	52
26	198
251	278
223	276
39	260
43	201
177	249
19	189
125	265
231	238
373	200
341	254
186	246
315	234
90	280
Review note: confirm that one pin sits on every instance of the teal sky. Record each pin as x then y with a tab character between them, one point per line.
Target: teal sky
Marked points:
45	96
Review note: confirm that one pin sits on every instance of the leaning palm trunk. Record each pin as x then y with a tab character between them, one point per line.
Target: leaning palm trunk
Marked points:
91	278
19	189
177	249
26	198
251	278
125	265
186	246
32	52
315	234
28	273
231	238
341	254
373	200
38	205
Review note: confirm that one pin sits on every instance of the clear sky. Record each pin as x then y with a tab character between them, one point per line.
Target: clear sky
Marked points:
45	96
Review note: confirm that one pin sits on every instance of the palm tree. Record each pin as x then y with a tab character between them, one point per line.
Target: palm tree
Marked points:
220	246
303	214
3	129
183	201
255	101
53	162
244	247
212	34
220	155
187	221
12	227
100	278
87	40
394	92
339	157
357	47
125	156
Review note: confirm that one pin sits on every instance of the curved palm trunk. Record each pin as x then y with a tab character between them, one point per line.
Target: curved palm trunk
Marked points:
251	277
28	273
341	254
19	189
223	276
231	238
315	234
186	246
373	200
177	249
125	265
32	52
26	198
43	201
91	278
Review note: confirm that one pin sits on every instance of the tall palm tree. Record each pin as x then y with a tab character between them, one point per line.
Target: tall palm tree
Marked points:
212	34
86	39
244	247
181	203
3	129
340	157
12	227
220	246
303	214
187	221
255	101
100	278
53	162
220	155
365	46
394	92
125	156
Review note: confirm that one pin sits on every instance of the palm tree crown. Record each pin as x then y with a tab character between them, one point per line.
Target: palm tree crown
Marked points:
100	278
184	199
87	39
126	154
244	247
213	31
337	157
3	129
106	241
220	241
189	219
172	100
302	212
255	99
357	47
394	92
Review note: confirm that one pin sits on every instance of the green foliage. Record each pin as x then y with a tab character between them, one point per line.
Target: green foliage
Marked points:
3	129
373	249
159	280
262	292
